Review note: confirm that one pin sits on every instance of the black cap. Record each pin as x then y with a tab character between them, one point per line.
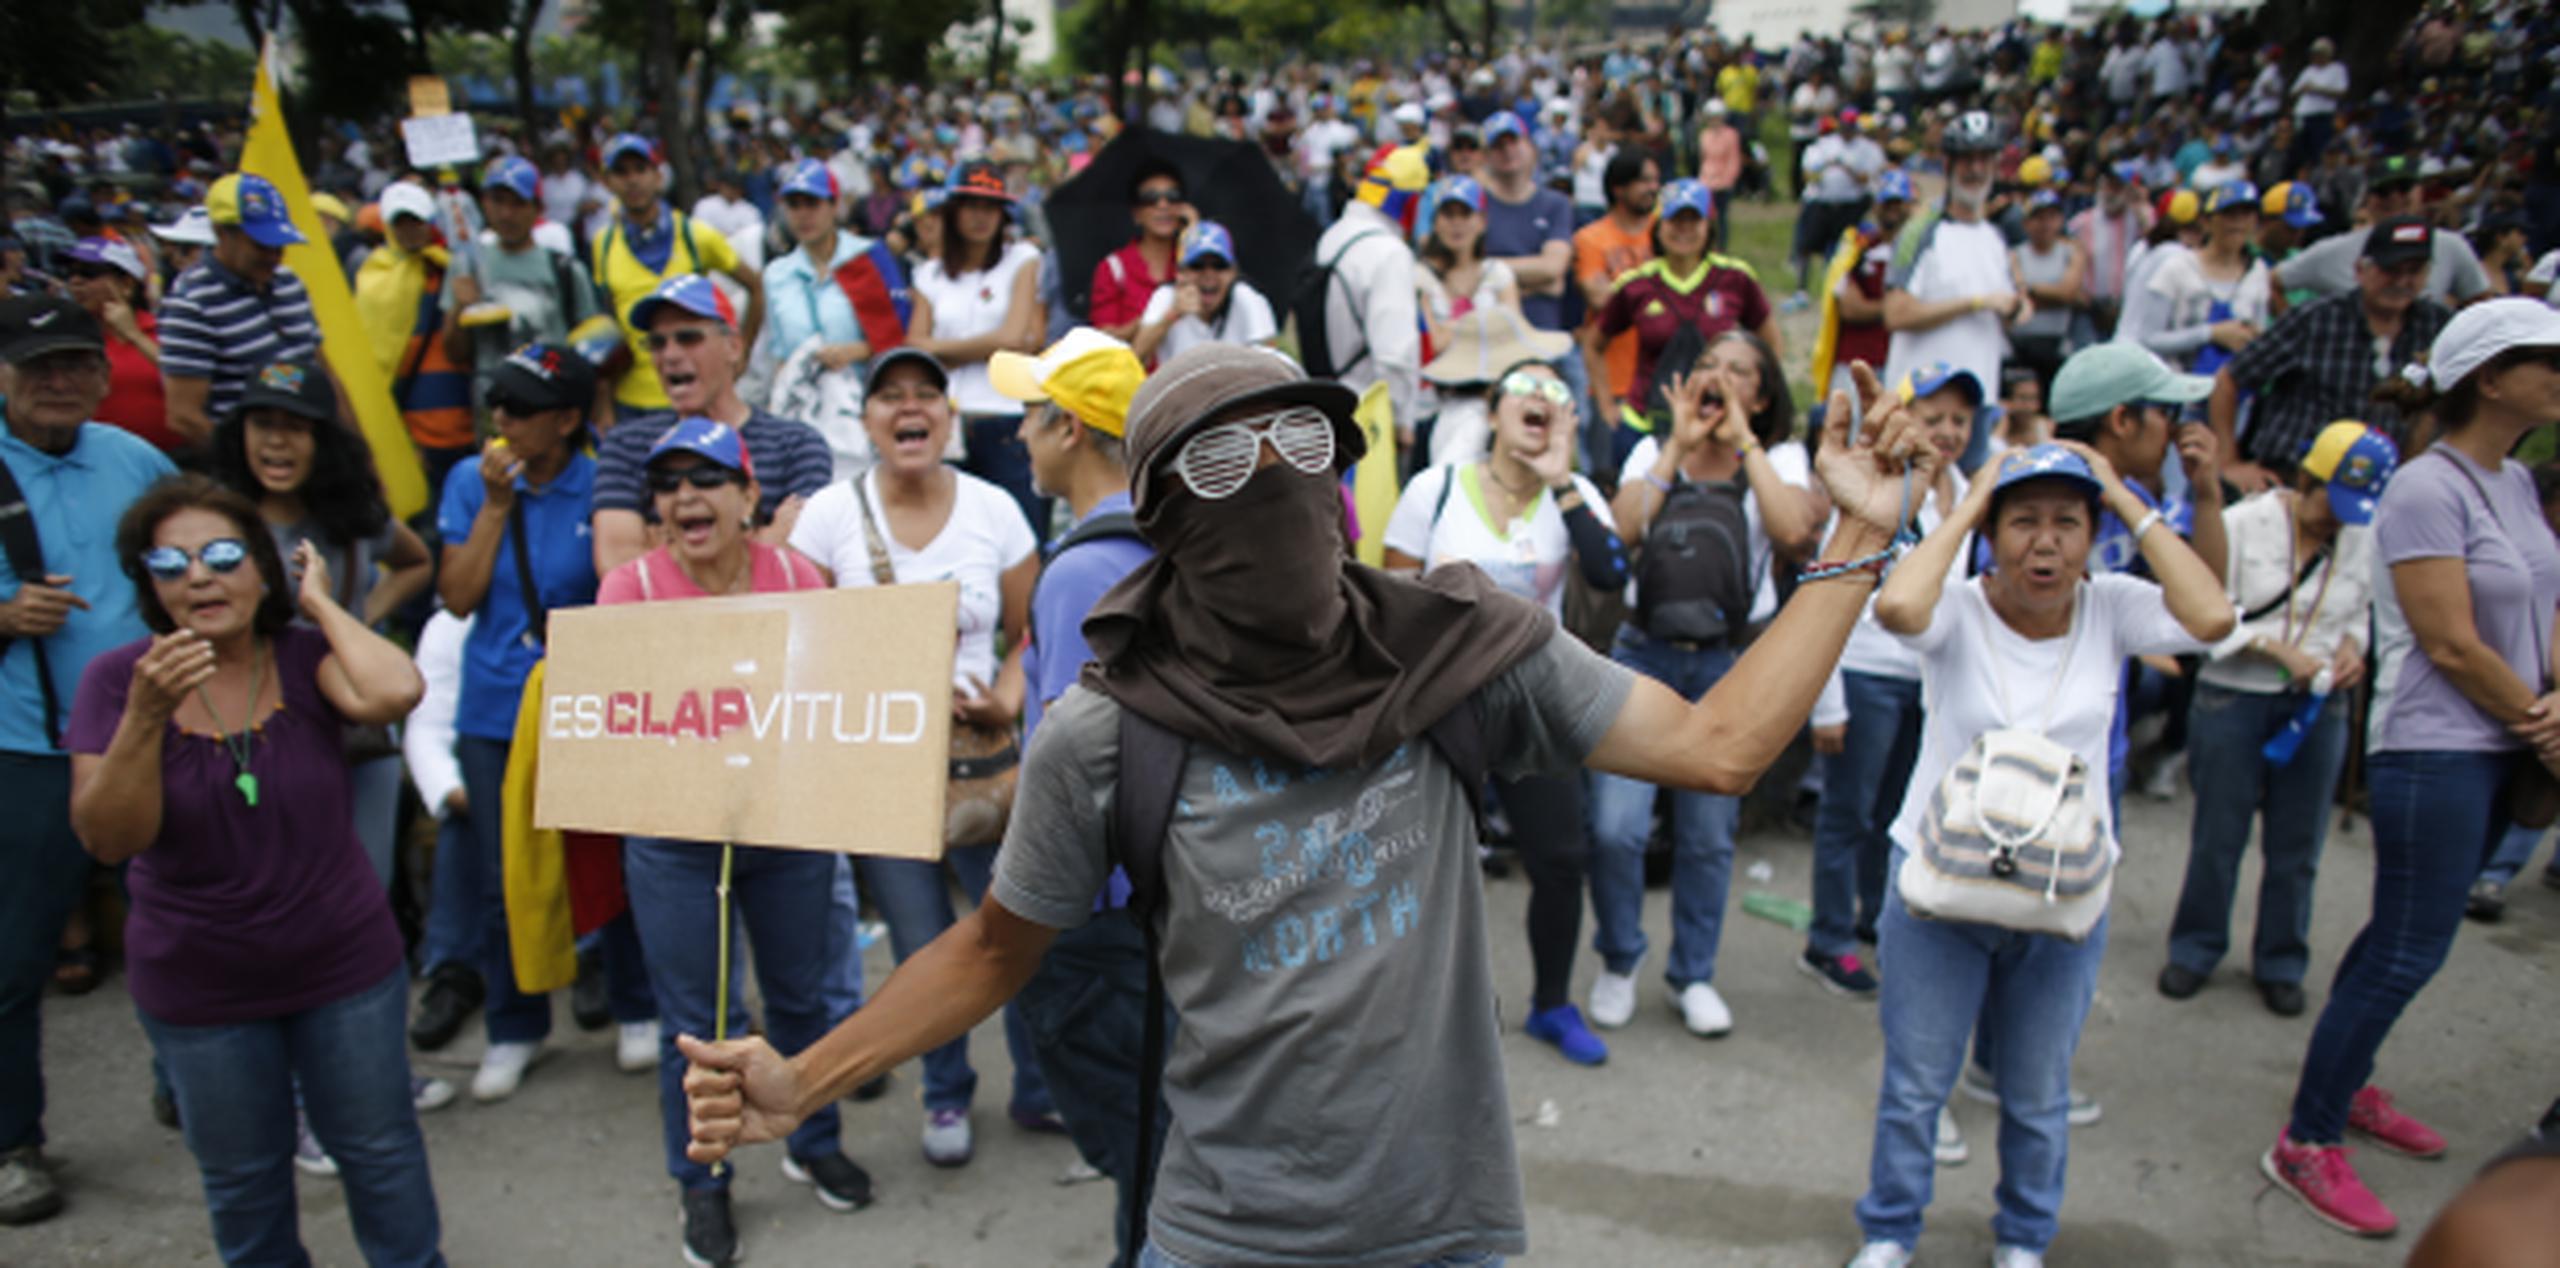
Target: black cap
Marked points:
2400	240
33	325
881	361
296	387
540	377
2395	169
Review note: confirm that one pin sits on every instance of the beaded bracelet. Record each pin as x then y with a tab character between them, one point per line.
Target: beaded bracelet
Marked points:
1831	568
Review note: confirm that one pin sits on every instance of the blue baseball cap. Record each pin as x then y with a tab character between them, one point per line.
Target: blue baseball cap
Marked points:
2128	170
1459	189
514	174
1501	124
2294	201
808	177
253	204
692	293
1931	379
1205	239
2047	461
2354	461
2232	196
625	144
2043	199
713	440
1893	185
1686	195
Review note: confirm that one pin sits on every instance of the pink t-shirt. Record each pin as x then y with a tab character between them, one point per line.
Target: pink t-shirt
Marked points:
656	575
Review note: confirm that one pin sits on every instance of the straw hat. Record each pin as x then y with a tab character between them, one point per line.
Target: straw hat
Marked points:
1490	340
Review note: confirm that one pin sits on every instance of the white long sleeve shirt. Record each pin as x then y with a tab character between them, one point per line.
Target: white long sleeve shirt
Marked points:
2326	609
1373	304
426	739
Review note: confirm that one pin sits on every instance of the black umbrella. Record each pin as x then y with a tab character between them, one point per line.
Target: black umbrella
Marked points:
1231	182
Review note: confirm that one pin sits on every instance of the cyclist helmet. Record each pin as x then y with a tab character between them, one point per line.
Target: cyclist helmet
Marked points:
1972	132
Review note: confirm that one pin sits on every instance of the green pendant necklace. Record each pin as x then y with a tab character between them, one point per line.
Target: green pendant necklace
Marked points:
237	743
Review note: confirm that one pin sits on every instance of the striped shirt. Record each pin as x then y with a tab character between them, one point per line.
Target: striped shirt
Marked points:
790	458
215	326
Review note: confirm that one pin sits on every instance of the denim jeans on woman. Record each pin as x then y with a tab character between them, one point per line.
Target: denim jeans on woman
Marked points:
785	899
2515	849
2033	992
2436	815
1702	829
2227	732
235	1090
1862	787
46	869
915	900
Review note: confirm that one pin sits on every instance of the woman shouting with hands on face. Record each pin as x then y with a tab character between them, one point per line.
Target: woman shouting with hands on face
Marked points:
262	950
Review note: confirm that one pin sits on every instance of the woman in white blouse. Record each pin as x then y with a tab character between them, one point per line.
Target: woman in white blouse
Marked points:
2301	572
2201	306
980	295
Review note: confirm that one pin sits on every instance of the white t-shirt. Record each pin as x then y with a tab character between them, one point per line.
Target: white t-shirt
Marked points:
1438	524
1970	659
974	304
1962	259
2181	300
1248	319
1795	466
2322	88
562	194
984	536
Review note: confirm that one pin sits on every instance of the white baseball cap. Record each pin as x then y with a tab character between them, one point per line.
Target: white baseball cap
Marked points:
400	198
2482	331
195	228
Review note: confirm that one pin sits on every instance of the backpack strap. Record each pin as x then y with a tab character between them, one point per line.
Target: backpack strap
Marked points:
25	552
1149	783
1359	321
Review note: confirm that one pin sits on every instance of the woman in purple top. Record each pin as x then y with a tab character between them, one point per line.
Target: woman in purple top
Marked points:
261	949
2462	536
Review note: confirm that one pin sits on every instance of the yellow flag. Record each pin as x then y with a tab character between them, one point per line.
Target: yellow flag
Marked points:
269	153
1373	482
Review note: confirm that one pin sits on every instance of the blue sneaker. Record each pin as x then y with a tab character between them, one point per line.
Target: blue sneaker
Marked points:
1562	1026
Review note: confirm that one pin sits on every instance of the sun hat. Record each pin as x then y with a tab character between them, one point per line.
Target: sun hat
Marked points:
1486	343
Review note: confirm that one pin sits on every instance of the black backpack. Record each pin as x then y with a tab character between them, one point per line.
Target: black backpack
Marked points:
1149	782
1693	577
1307	307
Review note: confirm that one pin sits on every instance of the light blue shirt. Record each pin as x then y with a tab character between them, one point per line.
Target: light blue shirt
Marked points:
76	499
800	300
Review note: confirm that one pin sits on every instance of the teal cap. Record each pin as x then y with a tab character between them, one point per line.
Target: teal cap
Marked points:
2099	378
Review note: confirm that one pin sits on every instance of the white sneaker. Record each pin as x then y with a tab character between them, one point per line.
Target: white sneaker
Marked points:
2016	1257
635	1049
948	1141
2163	783
1882	1254
429	1094
1703	1011
1950	1151
1613	999
1977	1084
502	1070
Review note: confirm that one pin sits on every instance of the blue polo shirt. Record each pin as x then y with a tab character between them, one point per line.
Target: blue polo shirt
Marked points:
498	657
76	499
1070	584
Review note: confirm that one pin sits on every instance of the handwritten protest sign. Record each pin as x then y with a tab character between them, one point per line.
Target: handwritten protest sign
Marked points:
443	140
819	720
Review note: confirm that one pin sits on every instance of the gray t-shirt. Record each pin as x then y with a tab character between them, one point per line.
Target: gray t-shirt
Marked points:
2431	512
2328	267
1336	1084
528	283
351	568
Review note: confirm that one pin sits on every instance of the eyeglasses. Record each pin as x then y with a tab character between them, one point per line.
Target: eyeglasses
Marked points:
1523	383
668	480
683	337
1217	462
1159	197
221	555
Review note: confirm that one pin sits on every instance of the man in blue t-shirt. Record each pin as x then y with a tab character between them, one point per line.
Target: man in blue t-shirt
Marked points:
1530	228
1087	1003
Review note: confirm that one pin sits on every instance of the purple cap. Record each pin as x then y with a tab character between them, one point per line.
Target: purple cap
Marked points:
1686	195
515	175
713	440
809	177
1205	239
628	143
692	293
107	252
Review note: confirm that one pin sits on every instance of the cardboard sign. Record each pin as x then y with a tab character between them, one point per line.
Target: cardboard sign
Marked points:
442	140
818	720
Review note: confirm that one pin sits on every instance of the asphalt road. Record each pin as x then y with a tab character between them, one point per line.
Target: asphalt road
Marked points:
1746	1151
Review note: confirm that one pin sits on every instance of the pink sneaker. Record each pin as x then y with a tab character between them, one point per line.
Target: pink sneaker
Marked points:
2372	1113
2326	1182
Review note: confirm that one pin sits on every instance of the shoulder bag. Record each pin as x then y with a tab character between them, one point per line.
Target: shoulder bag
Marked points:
2013	836
985	760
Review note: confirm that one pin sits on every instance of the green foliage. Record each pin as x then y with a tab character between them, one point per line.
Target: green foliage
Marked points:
58	52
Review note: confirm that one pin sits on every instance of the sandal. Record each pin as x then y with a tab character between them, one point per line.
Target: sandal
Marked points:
76	970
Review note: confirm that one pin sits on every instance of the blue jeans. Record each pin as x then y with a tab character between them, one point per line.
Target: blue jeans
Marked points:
235	1088
2515	849
511	1015
786	898
1154	1258
1087	1011
453	934
1702	828
844	941
44	868
2234	784
2034	990
995	455
1862	788
2435	817
916	902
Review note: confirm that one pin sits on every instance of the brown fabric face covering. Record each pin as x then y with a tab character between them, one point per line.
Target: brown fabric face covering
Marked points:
1251	631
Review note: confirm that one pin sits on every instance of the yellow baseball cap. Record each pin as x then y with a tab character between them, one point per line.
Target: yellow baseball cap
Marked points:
1088	374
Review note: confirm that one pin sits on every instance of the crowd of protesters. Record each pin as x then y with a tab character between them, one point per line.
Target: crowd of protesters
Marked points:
2176	403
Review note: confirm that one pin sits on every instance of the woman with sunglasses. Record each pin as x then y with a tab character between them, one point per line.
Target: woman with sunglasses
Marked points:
108	279
1523	516
1692	608
978	295
703	485
262	952
913	518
